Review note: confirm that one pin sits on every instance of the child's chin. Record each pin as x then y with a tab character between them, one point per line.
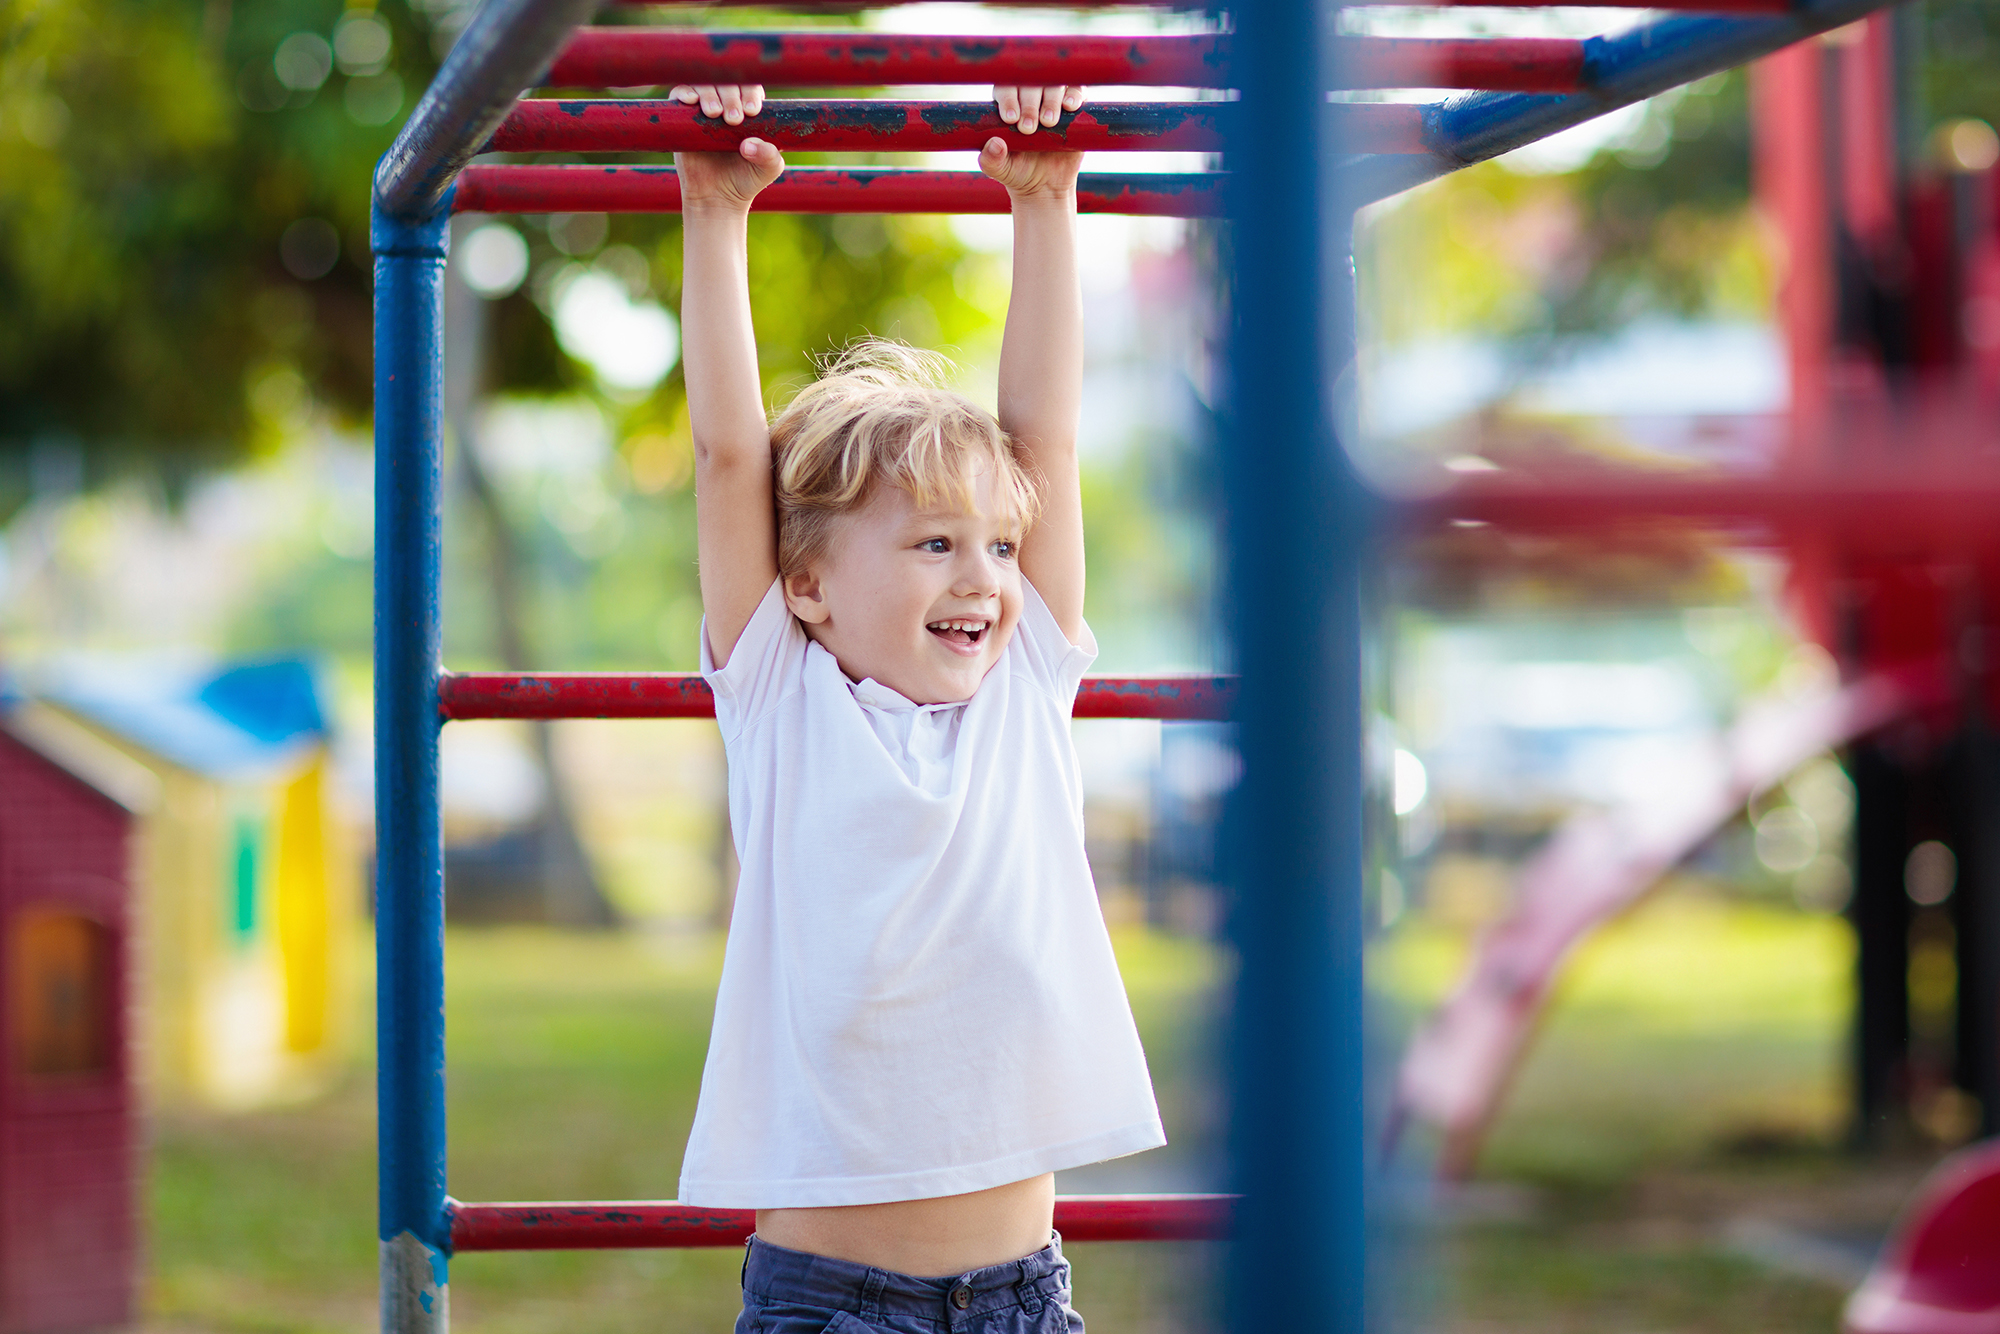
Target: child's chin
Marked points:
957	680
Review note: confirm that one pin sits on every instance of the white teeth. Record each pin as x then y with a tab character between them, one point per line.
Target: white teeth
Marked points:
967	626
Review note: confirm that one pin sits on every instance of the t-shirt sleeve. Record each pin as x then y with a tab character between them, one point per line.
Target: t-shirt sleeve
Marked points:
764	666
1046	652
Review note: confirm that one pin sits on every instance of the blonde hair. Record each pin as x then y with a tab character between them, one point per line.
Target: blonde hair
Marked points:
879	413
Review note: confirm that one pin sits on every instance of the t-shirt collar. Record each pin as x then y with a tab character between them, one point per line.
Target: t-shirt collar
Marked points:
875	695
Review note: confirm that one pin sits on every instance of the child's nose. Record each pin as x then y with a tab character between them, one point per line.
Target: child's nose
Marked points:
978	575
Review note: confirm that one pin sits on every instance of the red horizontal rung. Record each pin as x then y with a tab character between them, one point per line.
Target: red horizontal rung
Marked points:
647	57
656	126
1717	6
645	189
1492	64
650	57
849	6
645	1225
1870	507
468	695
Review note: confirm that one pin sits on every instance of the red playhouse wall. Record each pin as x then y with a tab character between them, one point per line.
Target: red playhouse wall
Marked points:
68	1160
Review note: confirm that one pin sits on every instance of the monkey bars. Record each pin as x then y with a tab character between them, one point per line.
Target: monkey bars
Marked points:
1296	518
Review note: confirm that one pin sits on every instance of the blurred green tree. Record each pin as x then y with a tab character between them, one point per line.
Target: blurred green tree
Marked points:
184	192
183	185
1957	47
1658	224
183	229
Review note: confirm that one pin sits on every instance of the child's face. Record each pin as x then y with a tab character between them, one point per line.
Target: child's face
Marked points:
922	601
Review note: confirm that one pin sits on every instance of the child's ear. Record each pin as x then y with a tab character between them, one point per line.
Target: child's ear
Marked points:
805	597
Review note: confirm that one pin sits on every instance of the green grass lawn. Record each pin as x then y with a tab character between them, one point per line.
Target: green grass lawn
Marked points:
1693	1021
1690	1073
574	1065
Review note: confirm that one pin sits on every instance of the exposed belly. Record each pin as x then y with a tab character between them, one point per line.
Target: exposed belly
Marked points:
949	1235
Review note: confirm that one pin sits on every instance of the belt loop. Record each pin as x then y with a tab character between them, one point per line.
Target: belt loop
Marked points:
743	1279
1026	1291
871	1295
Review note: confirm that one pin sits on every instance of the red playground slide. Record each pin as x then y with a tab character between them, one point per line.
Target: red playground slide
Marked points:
1595	866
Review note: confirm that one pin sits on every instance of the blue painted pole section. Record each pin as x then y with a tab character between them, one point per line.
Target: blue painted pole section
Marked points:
409	860
1293	524
1618	70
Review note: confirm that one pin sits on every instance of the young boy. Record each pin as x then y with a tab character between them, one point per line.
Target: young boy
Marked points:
920	1020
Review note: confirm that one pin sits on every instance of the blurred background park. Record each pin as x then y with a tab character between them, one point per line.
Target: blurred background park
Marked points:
186	492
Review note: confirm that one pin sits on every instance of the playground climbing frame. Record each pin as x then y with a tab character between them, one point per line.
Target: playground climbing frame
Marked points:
1297	523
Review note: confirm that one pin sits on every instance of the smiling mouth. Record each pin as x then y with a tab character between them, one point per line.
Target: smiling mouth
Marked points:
959	634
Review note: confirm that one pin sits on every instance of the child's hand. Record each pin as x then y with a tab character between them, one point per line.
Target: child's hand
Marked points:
1030	175
1026	108
730	180
731	101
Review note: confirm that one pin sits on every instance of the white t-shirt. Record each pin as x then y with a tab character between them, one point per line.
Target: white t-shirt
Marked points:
919	996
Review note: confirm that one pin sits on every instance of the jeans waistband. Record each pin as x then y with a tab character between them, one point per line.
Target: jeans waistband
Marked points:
777	1274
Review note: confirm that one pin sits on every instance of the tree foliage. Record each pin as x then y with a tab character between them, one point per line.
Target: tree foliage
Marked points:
1658	224
184	192
1956	45
153	161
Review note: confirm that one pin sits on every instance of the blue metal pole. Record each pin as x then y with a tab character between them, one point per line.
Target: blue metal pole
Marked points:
1293	517
409	860
501	52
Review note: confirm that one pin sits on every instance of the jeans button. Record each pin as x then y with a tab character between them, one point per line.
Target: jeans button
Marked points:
961	1296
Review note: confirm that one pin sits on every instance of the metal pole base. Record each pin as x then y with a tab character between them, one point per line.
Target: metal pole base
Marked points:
416	1297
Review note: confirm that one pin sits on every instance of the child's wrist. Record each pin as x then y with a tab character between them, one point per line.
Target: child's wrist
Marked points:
715	206
1043	197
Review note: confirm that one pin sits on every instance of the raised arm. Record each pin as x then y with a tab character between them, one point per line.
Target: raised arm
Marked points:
736	524
1041	353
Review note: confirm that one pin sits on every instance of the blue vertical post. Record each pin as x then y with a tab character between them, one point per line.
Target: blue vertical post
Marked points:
409	863
503	50
1293	517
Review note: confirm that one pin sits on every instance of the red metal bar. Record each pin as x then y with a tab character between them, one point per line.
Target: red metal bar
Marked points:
1171	699
849	6
655	126
1489	64
645	1225
645	189
639	57
648	125
1928	510
1713	6
468	695
587	1226
1145	1217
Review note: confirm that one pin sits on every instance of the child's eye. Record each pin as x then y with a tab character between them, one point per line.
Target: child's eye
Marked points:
1005	550
937	546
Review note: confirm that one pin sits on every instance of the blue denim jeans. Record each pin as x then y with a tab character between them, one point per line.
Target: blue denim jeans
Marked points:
791	1292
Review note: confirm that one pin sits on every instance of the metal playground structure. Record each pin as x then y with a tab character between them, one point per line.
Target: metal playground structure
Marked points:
1298	523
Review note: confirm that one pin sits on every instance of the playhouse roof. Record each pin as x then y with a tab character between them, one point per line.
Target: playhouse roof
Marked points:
240	721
